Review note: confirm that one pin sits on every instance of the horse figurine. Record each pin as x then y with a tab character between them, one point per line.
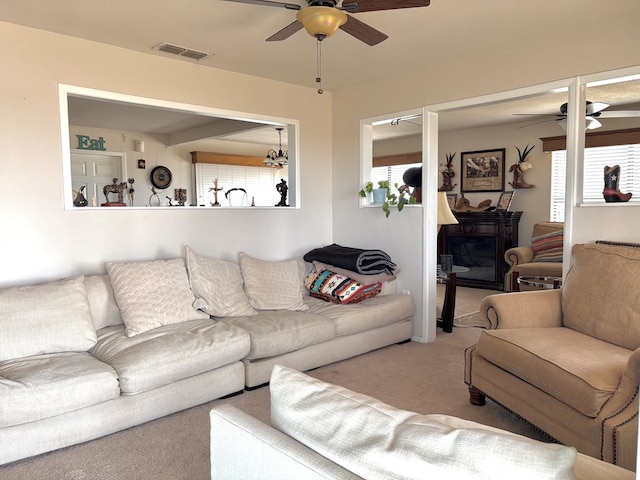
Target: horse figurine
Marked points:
115	187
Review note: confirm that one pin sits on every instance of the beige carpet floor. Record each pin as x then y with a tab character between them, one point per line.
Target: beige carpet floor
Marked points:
426	378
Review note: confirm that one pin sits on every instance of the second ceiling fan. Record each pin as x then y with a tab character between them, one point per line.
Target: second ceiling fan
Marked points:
322	19
593	111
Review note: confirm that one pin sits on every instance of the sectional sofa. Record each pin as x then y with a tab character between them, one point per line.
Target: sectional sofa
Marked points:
313	421
90	355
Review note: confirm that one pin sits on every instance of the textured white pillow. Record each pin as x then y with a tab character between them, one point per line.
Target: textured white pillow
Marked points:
272	285
152	294
375	440
217	285
47	318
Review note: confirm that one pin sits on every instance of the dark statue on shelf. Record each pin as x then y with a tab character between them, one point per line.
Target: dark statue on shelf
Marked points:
282	190
117	188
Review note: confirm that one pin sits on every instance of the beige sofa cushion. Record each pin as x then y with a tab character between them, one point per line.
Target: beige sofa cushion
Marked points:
217	285
43	386
170	353
46	318
104	309
580	371
152	294
376	441
371	313
601	293
283	331
272	285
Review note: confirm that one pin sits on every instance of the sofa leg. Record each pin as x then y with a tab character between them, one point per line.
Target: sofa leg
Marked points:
476	397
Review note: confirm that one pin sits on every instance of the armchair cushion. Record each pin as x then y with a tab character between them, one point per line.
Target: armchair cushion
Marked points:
554	360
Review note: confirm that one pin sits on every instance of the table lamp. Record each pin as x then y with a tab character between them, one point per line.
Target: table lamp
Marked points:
445	215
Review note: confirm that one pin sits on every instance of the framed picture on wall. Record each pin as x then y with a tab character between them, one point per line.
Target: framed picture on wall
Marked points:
483	170
504	202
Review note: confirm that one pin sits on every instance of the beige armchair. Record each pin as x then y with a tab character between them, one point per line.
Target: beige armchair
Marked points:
568	360
543	258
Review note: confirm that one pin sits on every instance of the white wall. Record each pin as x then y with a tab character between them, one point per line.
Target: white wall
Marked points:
41	241
524	62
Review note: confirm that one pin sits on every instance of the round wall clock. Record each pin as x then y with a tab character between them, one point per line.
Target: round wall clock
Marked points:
160	177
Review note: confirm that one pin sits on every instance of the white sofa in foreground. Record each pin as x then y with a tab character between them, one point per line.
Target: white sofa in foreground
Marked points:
324	431
87	356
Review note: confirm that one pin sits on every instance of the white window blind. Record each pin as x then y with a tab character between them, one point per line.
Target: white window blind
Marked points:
595	160
392	173
259	183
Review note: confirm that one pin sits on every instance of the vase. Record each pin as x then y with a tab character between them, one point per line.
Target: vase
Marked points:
379	195
518	179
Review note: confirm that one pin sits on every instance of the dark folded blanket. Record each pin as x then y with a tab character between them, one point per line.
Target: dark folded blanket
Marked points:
366	262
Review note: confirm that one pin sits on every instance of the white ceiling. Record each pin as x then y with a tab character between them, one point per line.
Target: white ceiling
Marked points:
235	34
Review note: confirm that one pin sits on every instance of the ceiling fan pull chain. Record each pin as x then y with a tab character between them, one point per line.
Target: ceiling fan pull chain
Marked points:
319	65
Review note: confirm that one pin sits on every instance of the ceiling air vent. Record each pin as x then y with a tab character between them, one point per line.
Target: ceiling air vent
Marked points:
181	51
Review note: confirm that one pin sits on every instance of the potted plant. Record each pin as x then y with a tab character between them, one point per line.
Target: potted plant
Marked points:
388	199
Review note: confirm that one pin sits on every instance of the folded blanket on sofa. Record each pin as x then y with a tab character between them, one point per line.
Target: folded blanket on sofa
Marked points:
366	262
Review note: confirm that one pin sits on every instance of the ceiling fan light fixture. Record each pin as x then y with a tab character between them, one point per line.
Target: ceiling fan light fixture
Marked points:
321	22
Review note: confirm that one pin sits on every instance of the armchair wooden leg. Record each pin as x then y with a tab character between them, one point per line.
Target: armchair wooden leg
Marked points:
476	397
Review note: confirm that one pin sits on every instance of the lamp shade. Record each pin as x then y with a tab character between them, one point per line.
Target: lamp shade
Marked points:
445	215
321	22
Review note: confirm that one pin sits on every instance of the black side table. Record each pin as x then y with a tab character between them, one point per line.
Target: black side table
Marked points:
449	306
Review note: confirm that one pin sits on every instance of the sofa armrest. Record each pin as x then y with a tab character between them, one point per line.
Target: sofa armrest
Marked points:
531	309
244	447
518	255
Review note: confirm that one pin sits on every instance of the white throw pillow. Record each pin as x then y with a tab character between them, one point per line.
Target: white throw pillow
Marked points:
152	294
217	285
272	285
47	318
375	440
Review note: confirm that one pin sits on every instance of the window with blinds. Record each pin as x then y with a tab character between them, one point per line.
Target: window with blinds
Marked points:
259	184
393	173
595	160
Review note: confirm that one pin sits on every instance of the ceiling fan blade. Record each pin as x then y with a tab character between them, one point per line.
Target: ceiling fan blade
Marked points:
363	32
592	123
620	114
376	5
596	107
536	114
286	32
537	123
269	3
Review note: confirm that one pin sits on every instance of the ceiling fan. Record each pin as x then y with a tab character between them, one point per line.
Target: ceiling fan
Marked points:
593	111
322	18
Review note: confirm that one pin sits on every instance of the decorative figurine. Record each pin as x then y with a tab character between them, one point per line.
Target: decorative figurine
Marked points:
117	188
282	190
80	200
611	192
131	190
447	174
215	189
181	196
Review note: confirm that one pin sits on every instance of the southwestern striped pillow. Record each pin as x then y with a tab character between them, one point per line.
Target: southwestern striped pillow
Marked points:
337	288
547	247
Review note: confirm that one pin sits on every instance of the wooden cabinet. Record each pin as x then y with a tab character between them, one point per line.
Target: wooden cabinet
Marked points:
478	242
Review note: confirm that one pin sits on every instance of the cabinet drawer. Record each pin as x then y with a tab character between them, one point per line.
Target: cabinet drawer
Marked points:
472	229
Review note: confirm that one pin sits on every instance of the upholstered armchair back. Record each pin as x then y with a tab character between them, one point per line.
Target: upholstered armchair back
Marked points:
601	293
